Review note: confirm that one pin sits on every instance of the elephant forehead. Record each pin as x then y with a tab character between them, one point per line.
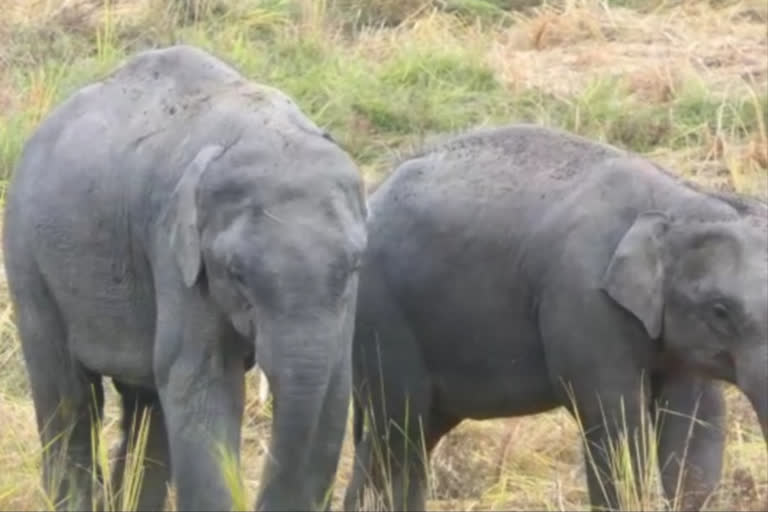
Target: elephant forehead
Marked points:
755	278
250	186
755	242
746	281
758	236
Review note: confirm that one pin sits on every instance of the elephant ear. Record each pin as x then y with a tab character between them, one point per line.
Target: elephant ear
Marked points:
634	277
184	234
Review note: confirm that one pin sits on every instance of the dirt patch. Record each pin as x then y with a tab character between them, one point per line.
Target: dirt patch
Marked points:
563	51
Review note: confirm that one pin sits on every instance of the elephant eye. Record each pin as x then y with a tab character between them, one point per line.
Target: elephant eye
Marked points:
721	318
235	272
240	286
720	311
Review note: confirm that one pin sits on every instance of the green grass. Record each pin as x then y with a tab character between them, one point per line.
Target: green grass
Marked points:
382	76
372	101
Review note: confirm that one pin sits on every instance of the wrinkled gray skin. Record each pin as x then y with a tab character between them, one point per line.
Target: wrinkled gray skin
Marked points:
506	263
161	227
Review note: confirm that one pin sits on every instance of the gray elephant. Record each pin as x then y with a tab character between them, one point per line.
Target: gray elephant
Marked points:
517	269
164	227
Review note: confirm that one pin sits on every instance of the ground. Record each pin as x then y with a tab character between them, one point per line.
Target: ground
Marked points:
683	82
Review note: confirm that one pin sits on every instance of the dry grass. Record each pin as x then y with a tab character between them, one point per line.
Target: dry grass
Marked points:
562	51
684	84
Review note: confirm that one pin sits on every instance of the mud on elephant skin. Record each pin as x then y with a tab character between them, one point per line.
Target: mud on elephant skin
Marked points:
517	269
163	226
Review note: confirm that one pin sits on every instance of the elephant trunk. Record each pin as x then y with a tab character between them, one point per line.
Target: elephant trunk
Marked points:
760	404
753	380
304	356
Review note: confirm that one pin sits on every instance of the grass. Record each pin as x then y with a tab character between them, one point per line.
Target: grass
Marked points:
681	82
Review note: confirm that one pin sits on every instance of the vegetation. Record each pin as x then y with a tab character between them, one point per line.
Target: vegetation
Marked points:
682	82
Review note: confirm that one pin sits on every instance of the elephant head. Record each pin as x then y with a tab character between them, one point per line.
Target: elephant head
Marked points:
701	289
278	239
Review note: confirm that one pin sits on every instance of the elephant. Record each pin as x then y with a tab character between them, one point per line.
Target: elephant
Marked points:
517	269
167	227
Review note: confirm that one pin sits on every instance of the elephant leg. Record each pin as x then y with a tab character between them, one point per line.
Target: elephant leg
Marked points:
68	401
201	378
410	473
691	439
594	361
408	485
203	410
615	432
394	456
138	404
390	459
394	466
69	438
608	439
353	497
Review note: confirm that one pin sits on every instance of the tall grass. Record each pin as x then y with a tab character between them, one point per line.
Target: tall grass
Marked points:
106	497
633	472
382	76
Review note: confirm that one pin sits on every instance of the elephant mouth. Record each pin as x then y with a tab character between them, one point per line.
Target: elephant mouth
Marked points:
722	367
718	366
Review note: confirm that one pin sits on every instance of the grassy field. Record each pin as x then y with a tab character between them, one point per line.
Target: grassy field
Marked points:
683	82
